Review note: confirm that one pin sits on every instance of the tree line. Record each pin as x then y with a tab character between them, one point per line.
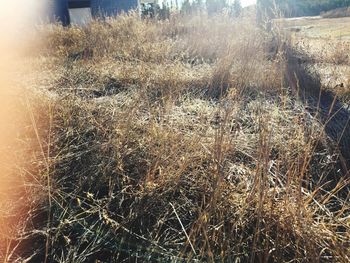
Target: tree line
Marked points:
270	8
211	7
290	8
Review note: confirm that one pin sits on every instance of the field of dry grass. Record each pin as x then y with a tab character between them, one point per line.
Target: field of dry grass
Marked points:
171	141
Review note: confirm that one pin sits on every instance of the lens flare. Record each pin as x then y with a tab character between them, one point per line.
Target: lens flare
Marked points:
17	19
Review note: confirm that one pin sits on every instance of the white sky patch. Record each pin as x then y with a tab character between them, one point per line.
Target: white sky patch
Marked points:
248	2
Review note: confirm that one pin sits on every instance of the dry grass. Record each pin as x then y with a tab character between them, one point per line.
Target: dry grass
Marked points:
339	12
173	141
325	46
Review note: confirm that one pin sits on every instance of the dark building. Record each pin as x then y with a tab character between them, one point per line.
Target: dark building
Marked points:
112	7
58	10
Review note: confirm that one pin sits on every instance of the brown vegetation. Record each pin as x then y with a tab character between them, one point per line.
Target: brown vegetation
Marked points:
173	141
339	12
325	47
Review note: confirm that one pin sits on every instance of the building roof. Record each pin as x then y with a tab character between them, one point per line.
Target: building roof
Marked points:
79	3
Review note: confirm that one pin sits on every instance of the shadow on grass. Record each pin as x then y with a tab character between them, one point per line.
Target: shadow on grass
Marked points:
322	104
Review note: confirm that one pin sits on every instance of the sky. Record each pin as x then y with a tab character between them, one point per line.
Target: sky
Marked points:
248	2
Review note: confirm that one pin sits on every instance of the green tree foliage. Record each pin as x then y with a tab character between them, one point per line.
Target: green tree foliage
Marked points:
237	8
155	10
215	6
186	7
299	7
198	5
212	6
164	11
